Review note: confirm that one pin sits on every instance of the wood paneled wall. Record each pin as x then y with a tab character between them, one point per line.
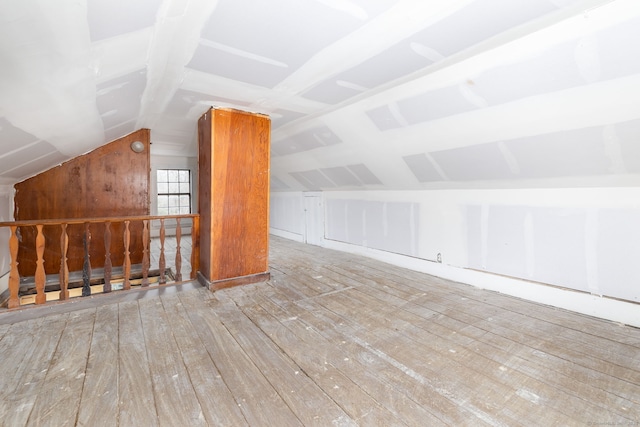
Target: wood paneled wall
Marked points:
233	173
109	181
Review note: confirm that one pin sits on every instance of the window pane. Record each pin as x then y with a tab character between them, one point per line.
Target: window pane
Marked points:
171	183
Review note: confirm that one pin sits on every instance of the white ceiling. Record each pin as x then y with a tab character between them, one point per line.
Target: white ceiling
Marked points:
363	94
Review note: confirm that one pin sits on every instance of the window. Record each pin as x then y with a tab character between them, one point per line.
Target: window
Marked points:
174	191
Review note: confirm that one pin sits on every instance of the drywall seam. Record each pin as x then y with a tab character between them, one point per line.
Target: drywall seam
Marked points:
174	41
591	250
529	245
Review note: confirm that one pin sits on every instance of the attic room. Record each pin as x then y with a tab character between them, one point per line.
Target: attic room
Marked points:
447	212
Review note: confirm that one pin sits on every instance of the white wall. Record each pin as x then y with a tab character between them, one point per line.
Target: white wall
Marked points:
6	214
172	162
287	215
516	241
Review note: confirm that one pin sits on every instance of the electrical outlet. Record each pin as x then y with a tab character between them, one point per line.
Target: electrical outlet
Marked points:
439	257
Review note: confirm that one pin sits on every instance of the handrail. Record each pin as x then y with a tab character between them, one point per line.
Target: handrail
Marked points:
39	248
94	220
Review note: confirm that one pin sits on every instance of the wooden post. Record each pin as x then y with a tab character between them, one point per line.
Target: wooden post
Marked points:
195	247
127	259
40	277
107	257
162	263
233	177
14	275
64	266
86	266
145	253
178	251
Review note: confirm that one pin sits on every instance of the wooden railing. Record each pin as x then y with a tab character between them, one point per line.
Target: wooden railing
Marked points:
97	225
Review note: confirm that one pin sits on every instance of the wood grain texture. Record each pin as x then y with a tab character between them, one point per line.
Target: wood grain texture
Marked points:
59	395
259	402
145	253
331	339
162	265
64	265
14	275
107	257
40	274
169	377
100	407
137	404
126	267
109	181
86	265
178	263
234	193
195	247
216	401
30	356
306	399
237	281
205	192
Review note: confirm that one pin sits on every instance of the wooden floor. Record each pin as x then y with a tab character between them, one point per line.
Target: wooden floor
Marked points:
332	339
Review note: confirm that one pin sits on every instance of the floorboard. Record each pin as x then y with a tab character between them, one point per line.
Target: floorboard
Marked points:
331	339
99	407
259	402
59	395
136	401
214	397
175	398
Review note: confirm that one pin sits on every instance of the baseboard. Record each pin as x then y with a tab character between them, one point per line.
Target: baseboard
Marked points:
287	234
216	285
625	312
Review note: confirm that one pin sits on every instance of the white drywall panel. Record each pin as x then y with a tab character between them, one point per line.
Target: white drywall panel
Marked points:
580	239
286	215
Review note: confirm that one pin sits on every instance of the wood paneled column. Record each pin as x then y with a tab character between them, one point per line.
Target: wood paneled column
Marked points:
234	150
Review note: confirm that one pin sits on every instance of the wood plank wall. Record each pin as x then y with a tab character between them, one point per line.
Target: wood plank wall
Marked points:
109	181
234	196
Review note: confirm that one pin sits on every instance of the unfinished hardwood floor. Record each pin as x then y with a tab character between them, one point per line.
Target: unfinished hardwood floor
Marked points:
331	339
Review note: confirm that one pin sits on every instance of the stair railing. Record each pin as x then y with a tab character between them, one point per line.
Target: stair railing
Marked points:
93	226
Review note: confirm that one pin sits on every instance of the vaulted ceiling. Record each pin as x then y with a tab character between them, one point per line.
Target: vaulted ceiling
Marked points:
363	94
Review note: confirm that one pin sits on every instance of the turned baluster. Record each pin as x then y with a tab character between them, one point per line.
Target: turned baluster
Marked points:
86	266
64	267
195	247
40	278
107	257
178	251
145	253
127	260
14	276
162	263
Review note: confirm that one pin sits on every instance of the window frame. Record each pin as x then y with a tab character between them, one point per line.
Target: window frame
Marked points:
168	193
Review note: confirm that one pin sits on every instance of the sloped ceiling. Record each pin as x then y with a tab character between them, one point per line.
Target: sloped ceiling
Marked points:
363	94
